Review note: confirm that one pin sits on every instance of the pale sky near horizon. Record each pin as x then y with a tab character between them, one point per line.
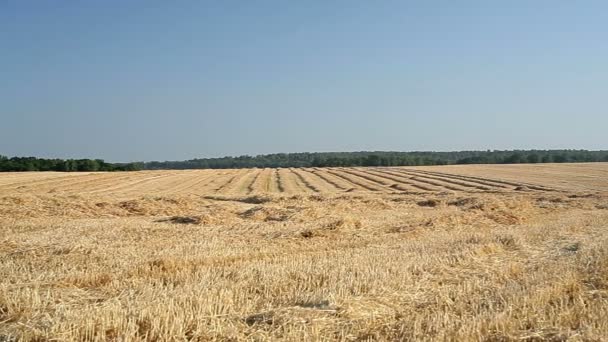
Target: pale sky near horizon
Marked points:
159	80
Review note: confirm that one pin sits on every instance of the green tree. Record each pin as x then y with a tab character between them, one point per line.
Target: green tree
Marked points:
533	158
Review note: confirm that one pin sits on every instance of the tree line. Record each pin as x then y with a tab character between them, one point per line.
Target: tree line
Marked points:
69	165
319	159
381	158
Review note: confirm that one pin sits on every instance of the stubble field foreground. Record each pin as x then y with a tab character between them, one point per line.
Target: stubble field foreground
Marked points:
499	253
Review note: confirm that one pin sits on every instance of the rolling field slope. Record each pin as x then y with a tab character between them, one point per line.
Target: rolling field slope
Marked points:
479	252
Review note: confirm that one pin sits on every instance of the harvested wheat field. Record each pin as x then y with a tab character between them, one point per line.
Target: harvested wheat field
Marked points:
498	253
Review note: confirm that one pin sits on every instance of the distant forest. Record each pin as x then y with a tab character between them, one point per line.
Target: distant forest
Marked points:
321	159
327	159
69	165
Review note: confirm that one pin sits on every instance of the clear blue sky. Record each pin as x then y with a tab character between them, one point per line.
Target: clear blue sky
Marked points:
158	80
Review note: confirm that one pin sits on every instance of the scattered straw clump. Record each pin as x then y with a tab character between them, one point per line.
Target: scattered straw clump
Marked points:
499	210
265	214
432	203
183	220
344	223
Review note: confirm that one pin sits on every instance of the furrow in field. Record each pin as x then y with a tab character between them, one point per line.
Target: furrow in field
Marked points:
301	183
358	181
320	183
490	180
290	182
438	183
245	186
368	177
273	183
385	184
277	176
212	183
241	184
403	183
413	181
261	182
215	181
269	181
229	183
338	183
252	187
484	182
388	182
461	183
304	179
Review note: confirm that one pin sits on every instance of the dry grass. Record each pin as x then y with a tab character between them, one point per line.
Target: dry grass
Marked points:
302	255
